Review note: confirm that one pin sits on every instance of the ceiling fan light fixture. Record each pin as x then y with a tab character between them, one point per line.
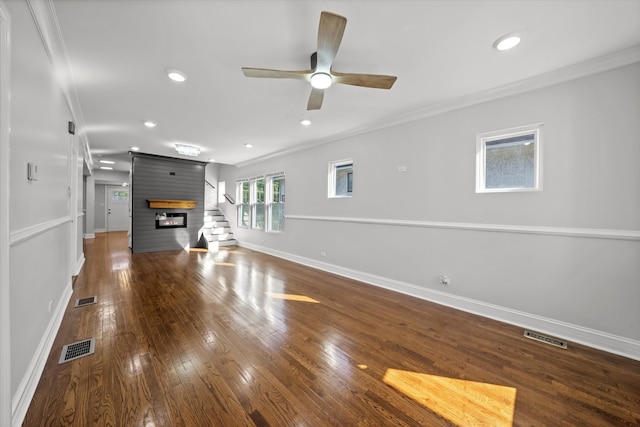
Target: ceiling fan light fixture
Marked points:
176	75
508	41
187	150
321	80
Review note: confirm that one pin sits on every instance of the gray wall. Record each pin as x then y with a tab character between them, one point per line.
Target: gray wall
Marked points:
512	256
152	179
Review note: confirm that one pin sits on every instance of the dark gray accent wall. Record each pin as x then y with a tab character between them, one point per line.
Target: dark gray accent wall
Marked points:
157	177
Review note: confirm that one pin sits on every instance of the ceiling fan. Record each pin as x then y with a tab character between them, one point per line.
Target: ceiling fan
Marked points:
320	75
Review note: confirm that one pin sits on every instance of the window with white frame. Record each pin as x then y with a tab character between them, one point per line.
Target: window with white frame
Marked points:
222	189
340	178
275	203
242	197
257	203
509	160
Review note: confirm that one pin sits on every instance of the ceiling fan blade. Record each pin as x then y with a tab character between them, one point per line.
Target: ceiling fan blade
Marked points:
277	74
376	81
315	99
330	34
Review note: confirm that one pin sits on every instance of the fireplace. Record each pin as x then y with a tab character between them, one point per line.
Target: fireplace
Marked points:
171	220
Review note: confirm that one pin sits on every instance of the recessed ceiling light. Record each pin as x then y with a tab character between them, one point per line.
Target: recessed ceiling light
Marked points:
150	124
248	145
320	80
212	160
507	41
106	168
176	76
107	162
305	122
187	150
135	148
125	184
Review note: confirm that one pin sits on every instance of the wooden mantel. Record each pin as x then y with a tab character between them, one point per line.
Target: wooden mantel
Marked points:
171	204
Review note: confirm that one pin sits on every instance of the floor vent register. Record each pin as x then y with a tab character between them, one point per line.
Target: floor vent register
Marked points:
76	350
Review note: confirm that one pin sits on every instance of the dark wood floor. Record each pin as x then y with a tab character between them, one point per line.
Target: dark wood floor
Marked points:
241	338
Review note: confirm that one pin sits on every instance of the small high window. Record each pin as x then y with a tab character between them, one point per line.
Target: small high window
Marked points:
341	178
509	160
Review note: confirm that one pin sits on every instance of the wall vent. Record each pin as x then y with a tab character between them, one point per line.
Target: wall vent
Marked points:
81	302
76	350
547	340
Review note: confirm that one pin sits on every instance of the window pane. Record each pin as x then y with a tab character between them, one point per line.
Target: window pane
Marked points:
245	192
258	217
510	163
344	180
277	189
277	217
221	190
243	216
259	190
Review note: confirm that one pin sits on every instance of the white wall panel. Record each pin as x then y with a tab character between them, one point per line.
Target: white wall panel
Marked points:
39	211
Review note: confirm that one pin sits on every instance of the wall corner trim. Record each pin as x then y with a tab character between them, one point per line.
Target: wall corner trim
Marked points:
574	333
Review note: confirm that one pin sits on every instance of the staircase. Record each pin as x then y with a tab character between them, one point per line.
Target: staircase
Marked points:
216	231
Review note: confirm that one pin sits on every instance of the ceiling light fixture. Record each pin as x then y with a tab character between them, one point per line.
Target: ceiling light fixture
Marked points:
211	160
125	184
176	76
305	122
150	124
248	145
507	41
107	162
187	150
135	148
320	80
106	168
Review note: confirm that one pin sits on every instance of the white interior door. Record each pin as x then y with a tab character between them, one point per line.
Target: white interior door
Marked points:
117	208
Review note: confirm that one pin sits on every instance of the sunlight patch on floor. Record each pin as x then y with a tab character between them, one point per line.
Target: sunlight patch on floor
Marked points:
291	297
459	401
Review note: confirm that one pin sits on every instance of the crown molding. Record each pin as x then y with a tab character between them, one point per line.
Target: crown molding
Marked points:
46	21
583	69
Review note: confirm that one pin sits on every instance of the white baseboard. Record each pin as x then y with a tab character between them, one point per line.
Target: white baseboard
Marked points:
600	340
89	235
100	230
27	388
79	265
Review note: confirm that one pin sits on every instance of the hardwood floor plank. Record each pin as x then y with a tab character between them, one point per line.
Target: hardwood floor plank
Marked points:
240	338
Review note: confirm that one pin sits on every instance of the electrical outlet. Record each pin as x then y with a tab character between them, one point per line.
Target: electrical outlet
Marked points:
444	280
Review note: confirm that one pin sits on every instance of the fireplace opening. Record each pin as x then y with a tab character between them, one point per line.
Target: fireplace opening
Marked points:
171	220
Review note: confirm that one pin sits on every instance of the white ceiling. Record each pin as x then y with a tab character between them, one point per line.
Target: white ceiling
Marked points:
440	50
